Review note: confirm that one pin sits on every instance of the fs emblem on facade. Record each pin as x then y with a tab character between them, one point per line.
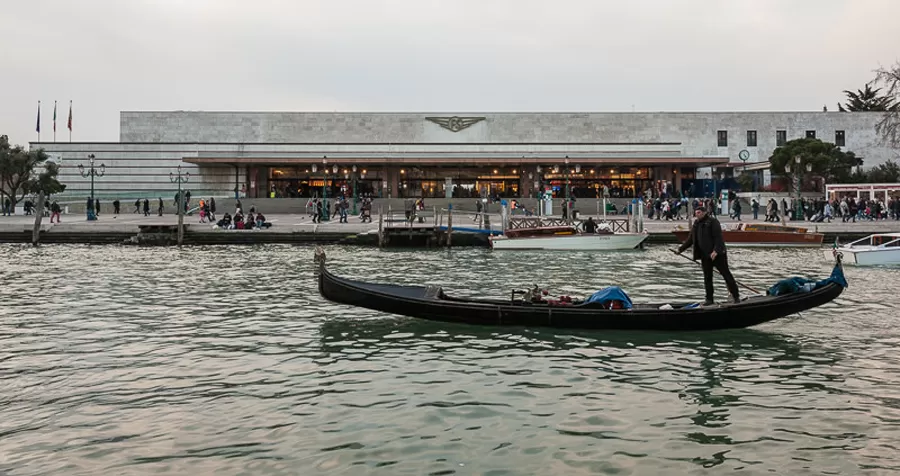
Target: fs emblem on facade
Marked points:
455	123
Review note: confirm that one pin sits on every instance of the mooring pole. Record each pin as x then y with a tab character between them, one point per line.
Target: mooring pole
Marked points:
449	223
380	227
38	215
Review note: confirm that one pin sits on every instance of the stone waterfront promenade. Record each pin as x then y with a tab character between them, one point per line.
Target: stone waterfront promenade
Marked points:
300	227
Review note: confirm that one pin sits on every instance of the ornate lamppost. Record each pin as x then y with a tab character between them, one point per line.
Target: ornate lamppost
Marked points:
325	215
324	179
795	172
180	177
354	190
92	172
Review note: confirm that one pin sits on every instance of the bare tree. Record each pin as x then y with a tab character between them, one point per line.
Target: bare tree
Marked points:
889	125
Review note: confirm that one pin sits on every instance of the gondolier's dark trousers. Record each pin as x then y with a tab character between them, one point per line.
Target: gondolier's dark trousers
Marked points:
721	264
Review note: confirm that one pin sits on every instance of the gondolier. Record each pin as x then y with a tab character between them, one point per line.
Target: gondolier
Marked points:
709	248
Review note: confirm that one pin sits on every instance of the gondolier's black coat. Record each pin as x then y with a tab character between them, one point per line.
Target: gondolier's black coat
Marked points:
705	237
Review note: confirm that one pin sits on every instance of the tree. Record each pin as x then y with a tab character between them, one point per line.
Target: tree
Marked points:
745	181
46	181
867	100
888	172
17	172
45	184
858	176
889	125
826	159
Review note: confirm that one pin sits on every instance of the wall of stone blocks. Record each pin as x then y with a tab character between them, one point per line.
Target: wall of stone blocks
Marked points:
696	133
153	144
138	171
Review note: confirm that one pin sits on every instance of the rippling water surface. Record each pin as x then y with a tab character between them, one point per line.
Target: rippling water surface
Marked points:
117	360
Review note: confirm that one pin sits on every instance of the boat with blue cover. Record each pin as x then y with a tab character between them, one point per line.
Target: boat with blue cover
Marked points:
610	308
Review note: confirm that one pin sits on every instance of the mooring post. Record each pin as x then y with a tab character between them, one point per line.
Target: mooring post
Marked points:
449	223
38	215
381	227
435	230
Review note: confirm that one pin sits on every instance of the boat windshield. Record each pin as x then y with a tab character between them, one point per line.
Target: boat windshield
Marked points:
888	241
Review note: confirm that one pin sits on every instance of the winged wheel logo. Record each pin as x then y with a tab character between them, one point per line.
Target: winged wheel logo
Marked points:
455	123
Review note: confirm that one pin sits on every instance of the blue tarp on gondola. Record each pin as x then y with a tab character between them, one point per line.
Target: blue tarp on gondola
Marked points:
792	285
612	293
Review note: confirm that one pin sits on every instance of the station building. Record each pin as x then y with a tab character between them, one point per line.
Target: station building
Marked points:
444	154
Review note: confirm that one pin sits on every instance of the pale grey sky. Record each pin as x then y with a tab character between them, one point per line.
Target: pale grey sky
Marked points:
430	55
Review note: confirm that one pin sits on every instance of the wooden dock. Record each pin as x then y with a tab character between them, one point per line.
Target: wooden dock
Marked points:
435	227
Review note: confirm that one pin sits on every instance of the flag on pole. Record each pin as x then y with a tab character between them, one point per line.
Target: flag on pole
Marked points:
37	128
70	116
54	116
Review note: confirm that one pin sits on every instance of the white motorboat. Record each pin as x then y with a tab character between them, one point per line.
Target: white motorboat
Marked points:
565	238
880	248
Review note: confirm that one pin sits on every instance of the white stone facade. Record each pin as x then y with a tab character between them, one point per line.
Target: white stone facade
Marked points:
153	144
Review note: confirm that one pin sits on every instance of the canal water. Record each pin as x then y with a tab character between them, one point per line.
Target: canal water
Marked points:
119	360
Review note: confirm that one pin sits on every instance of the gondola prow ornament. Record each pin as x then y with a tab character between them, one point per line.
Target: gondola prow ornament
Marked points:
319	260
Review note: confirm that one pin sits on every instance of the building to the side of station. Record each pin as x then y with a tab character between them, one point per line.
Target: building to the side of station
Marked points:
263	154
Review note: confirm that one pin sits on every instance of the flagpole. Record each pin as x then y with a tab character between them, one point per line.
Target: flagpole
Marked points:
38	127
54	121
70	120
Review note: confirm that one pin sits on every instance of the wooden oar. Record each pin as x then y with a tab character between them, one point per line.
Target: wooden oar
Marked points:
716	270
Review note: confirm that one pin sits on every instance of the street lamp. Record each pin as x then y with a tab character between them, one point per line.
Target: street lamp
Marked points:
795	172
567	182
354	190
91	172
180	177
325	215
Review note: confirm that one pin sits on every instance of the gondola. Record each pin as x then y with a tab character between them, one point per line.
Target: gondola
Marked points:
430	302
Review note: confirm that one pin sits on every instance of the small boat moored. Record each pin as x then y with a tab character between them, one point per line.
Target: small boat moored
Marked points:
757	235
877	249
609	308
565	238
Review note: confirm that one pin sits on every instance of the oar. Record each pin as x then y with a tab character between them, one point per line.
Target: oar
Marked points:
717	271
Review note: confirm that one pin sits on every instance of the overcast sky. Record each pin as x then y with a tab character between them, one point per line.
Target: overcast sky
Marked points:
430	55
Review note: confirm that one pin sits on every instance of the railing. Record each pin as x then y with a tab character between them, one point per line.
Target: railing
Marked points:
617	225
463	218
409	218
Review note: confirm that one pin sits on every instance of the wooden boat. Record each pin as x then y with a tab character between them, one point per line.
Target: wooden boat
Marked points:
430	302
880	248
565	238
759	235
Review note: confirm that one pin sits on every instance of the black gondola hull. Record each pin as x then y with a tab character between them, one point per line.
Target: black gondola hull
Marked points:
431	303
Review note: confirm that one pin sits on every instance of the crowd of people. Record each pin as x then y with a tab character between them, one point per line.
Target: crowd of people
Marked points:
815	210
848	209
254	220
661	207
320	209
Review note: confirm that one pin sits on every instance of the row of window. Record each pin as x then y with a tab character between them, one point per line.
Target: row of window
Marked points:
780	138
